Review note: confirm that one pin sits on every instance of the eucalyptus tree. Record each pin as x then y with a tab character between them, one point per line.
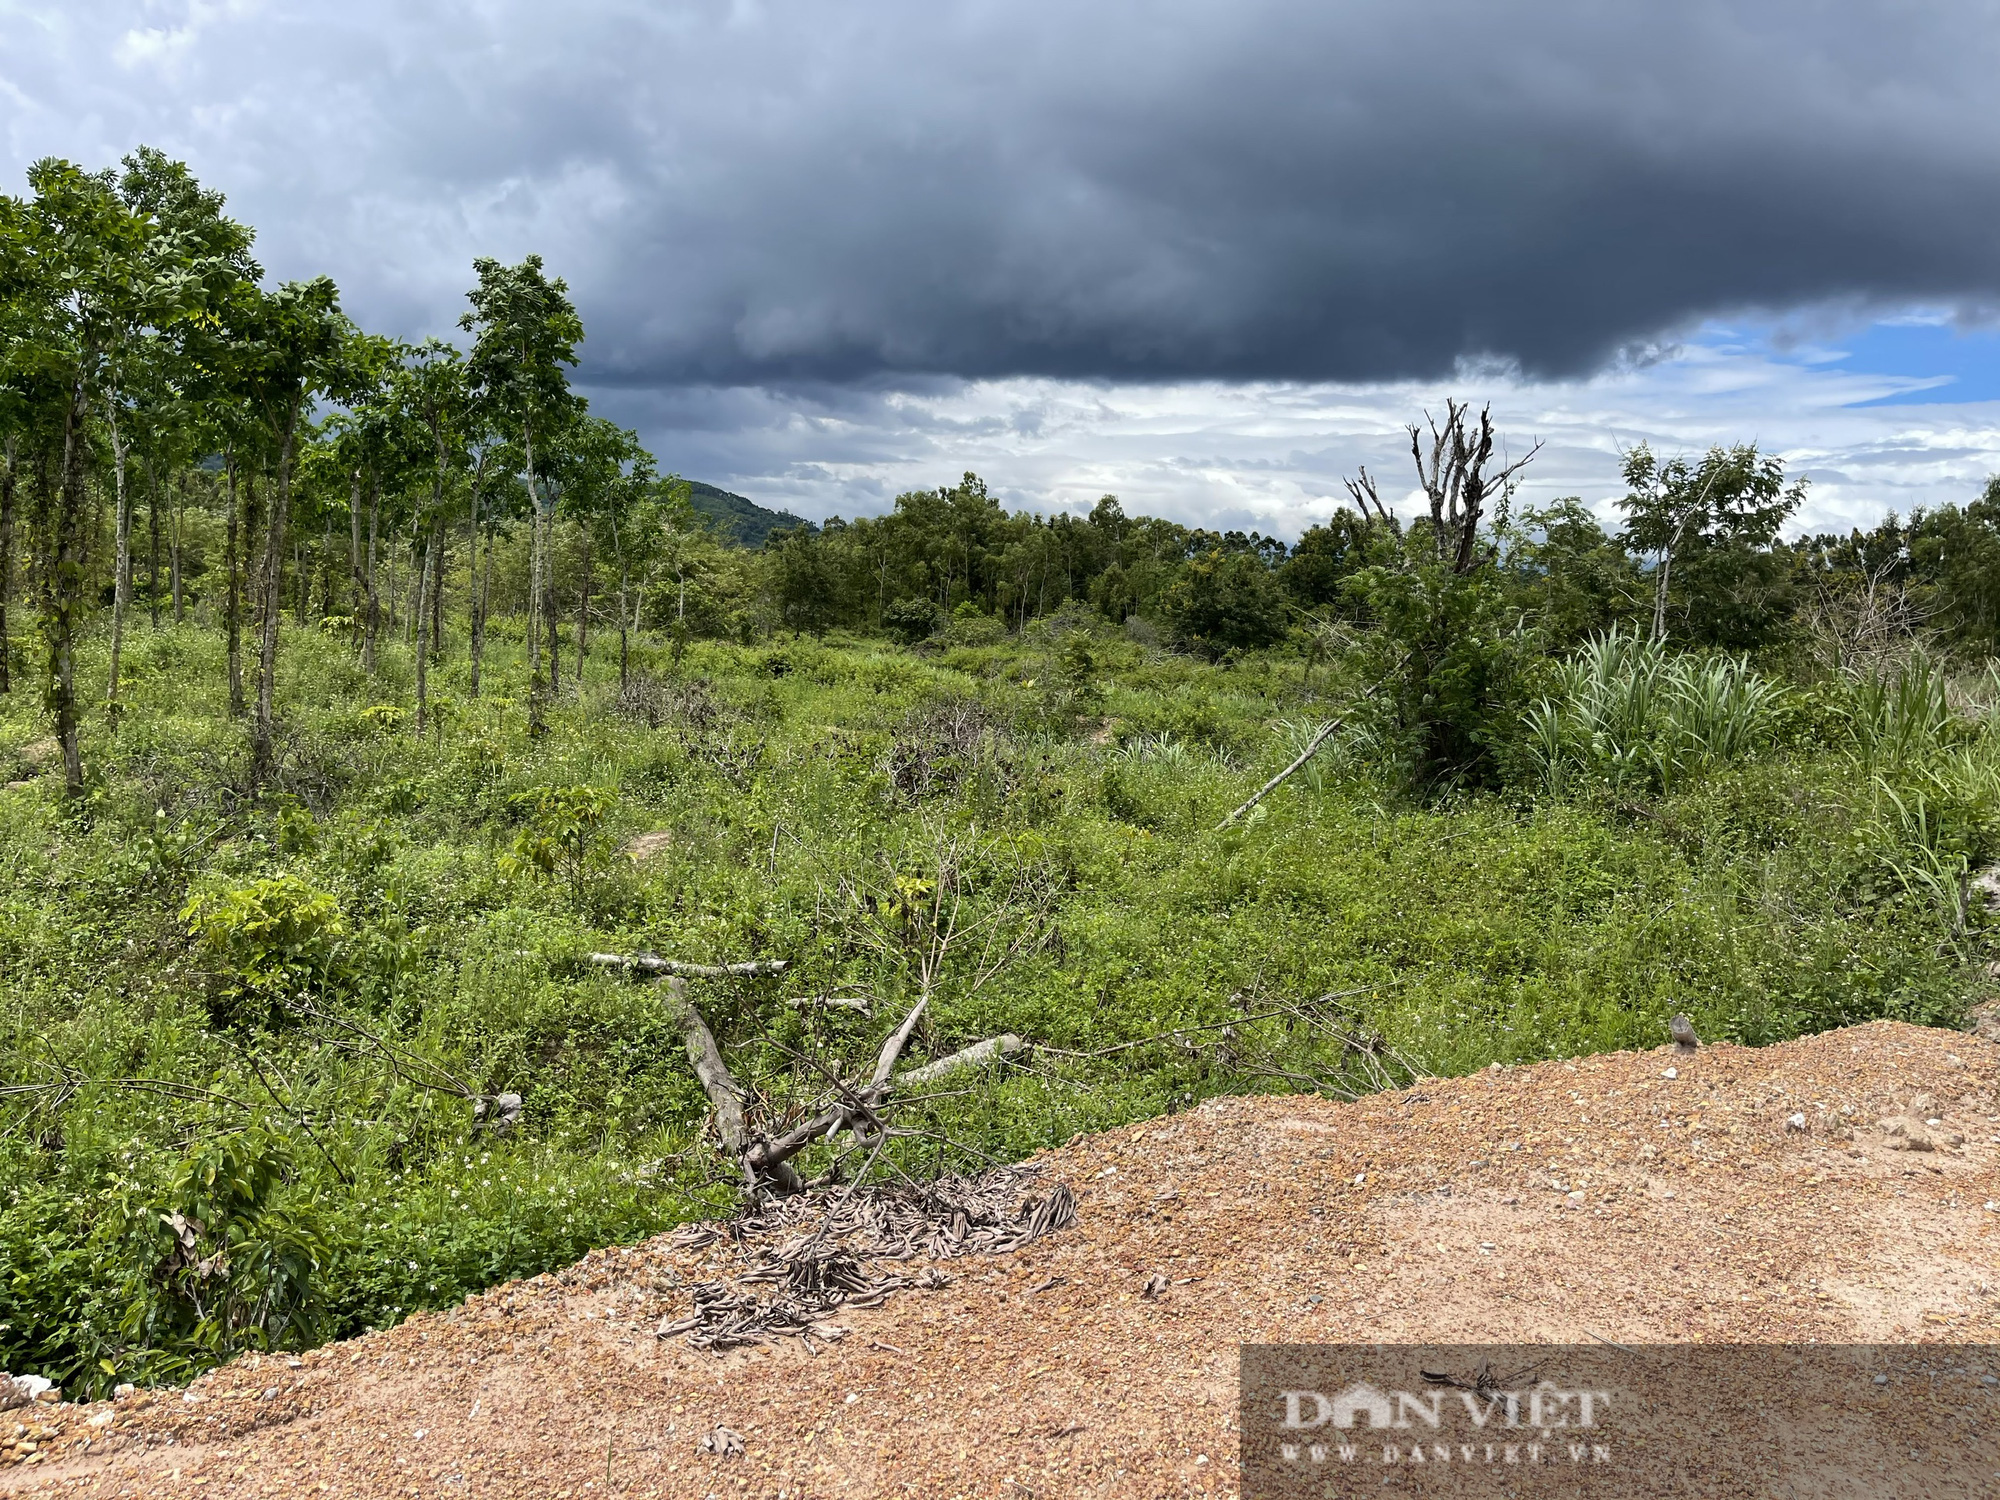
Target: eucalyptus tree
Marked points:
500	499
291	347
604	469
180	257
75	275
671	541
1712	527
215	258
18	404
366	438
431	392
490	489
525	330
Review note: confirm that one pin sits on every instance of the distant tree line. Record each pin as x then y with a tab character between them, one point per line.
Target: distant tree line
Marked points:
177	438
1697	558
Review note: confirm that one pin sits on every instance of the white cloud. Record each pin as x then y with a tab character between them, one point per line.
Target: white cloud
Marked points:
1272	455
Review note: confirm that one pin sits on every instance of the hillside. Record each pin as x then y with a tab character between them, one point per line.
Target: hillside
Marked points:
1601	1199
745	522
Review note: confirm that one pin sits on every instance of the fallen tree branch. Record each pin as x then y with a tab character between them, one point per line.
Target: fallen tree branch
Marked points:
652	963
1325	733
725	1094
893	1048
862	1003
979	1052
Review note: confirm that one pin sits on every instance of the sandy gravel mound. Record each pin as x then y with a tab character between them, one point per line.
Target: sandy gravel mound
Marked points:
1834	1188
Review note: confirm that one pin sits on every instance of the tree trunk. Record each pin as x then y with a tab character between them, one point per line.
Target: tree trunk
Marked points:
1661	574
583	613
418	563
6	560
624	635
551	615
374	599
62	585
121	591
437	591
474	626
325	569
536	561
485	603
357	587
153	524
424	637
235	546
262	746
174	549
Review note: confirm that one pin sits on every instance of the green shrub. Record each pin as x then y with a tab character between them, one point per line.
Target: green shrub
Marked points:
265	941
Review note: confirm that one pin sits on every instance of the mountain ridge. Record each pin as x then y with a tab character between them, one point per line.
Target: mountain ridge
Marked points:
738	518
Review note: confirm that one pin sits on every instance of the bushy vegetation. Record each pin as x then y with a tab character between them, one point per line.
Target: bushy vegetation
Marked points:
250	1034
425	687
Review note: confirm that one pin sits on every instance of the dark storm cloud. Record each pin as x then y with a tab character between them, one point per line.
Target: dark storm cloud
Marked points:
798	192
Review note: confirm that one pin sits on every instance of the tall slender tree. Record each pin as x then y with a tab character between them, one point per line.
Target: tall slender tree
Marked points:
289	351
525	330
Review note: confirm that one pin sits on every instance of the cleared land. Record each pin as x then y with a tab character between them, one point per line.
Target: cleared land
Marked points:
1561	1201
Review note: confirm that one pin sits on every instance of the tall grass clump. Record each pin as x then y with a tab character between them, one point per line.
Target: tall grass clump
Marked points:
1632	716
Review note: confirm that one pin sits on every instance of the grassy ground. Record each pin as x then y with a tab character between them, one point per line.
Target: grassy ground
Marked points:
263	1016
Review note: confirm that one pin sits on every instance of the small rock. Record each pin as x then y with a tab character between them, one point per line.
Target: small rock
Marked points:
23	1390
1155	1287
723	1442
1796	1124
1881	1379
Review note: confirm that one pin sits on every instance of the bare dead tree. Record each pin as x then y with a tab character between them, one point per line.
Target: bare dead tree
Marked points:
1454	478
1367	498
924	924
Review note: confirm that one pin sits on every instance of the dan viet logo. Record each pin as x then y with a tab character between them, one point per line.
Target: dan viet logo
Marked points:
1469	1425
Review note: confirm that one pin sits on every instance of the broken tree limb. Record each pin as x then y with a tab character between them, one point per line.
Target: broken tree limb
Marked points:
652	963
979	1052
1312	748
893	1048
862	1003
725	1095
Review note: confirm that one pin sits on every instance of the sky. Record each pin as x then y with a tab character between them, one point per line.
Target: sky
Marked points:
1211	257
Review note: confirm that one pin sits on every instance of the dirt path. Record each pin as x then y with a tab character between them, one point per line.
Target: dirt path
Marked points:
1556	1202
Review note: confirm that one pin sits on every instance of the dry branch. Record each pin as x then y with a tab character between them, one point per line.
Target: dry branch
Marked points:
1324	733
993	1047
979	1052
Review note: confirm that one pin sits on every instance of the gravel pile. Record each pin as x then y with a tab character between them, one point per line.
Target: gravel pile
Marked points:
1767	1195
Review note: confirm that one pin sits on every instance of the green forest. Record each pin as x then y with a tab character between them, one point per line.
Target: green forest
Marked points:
366	707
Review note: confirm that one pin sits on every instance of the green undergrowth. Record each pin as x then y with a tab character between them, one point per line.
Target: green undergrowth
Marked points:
248	1031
